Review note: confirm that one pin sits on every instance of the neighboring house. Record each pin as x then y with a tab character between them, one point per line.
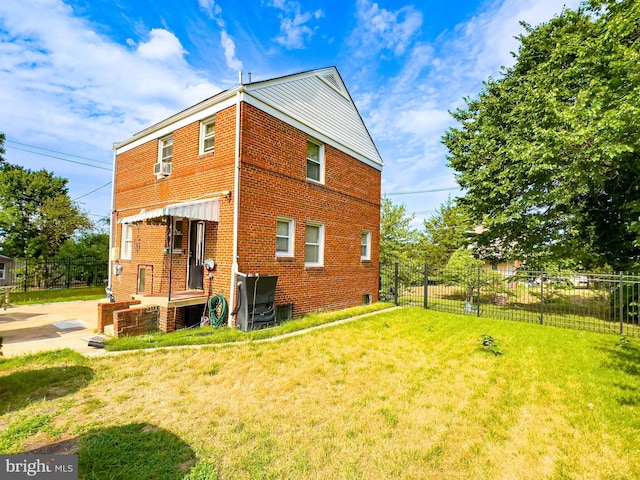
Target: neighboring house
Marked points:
275	178
7	276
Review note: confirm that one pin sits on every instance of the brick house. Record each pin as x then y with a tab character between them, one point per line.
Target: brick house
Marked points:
277	177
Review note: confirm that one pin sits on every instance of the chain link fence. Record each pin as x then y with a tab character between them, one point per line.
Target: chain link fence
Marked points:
599	302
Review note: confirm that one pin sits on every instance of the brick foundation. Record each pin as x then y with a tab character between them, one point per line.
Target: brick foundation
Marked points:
136	321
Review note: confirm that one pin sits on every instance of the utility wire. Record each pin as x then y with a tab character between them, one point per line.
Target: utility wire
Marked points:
61	153
425	191
92	191
63	159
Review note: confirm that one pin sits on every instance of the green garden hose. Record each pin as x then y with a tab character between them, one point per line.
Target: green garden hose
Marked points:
218	311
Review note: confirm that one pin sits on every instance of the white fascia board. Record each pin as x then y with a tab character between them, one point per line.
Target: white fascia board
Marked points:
198	112
248	98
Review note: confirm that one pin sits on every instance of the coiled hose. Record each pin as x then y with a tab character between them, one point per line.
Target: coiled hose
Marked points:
218	311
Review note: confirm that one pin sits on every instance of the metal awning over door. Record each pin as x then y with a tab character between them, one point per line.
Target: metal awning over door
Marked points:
208	210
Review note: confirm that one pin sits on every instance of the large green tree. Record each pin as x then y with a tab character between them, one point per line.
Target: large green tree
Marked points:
444	232
36	214
549	152
398	239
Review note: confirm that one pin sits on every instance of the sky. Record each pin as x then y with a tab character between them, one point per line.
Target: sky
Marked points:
77	76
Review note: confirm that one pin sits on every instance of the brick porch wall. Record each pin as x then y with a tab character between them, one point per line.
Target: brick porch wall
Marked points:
135	321
106	311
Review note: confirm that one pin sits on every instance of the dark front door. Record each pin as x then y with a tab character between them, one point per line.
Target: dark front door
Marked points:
196	255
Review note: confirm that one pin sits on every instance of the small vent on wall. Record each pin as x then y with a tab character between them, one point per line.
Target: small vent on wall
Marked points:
332	80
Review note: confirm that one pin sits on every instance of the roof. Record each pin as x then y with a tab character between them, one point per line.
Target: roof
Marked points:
316	102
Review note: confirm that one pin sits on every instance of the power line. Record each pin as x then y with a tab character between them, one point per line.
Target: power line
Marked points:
424	191
92	191
60	158
60	153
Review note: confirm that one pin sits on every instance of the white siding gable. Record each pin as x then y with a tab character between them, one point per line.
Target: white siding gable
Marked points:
320	101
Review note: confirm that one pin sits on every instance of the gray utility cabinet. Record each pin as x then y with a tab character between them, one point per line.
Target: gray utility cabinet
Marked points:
256	301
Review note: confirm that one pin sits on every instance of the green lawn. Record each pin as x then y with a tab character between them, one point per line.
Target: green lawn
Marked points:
60	295
407	394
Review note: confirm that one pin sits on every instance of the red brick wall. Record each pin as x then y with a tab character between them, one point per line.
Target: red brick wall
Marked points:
193	176
106	310
135	321
273	183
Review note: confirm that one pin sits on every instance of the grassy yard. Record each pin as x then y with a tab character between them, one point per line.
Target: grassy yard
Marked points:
59	295
403	394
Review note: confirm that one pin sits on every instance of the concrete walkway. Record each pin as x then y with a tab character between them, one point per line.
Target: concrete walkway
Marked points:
52	326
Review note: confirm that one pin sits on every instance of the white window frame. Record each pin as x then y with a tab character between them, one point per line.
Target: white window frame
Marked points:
162	144
204	136
290	236
320	161
126	247
319	262
365	244
178	233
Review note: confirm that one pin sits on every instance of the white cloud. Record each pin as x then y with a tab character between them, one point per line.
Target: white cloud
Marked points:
380	29
294	31
229	48
214	12
162	45
210	8
61	79
409	114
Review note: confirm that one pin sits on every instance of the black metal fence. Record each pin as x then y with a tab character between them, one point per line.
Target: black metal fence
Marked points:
28	274
600	302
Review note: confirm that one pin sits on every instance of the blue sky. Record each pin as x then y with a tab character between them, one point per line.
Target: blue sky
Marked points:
77	76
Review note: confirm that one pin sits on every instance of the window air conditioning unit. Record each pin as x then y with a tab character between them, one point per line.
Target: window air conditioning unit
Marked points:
162	168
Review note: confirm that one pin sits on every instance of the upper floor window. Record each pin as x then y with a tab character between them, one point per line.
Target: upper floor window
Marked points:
365	246
314	245
165	157
127	241
207	135
284	237
315	161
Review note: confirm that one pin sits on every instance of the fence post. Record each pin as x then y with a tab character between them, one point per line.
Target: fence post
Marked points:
542	297
426	285
26	272
621	304
68	282
478	300
396	284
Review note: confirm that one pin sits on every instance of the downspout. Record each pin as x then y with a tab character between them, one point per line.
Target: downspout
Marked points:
170	255
236	203
112	224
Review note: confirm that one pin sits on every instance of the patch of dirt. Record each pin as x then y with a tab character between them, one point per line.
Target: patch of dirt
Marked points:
63	447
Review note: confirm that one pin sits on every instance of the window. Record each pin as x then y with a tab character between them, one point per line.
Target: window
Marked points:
166	149
284	237
315	161
2	271
313	253
127	241
365	246
178	226
165	156
207	135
